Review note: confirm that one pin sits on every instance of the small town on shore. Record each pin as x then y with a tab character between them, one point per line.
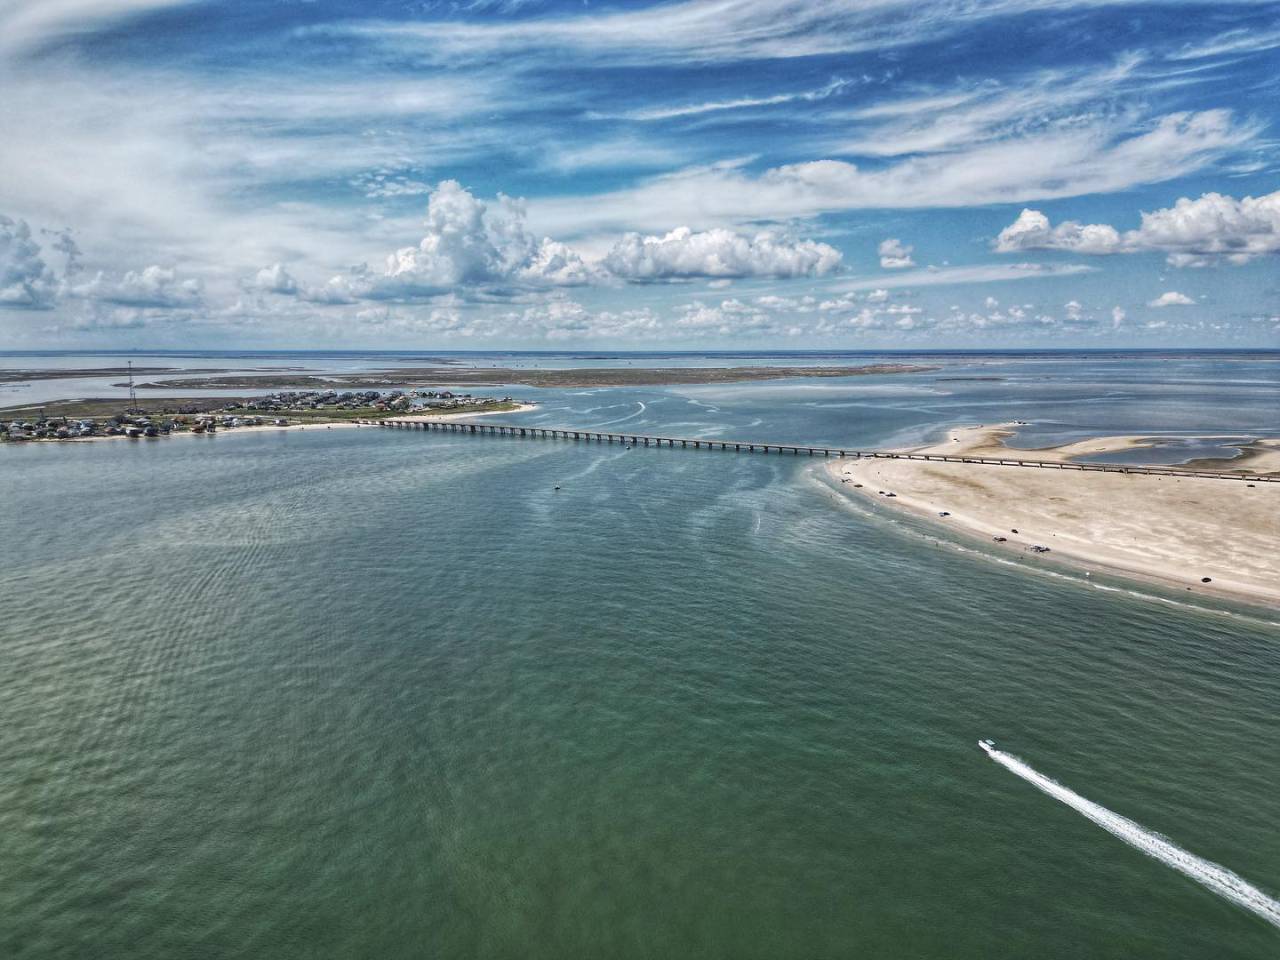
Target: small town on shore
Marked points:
286	408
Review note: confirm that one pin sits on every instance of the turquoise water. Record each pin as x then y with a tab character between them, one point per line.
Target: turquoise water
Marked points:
368	693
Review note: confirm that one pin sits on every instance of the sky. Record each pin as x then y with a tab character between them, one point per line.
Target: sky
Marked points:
720	174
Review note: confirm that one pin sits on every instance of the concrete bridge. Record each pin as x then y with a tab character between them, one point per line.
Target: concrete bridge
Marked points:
491	429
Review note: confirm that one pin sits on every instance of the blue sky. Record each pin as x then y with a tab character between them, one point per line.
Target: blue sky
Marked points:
730	173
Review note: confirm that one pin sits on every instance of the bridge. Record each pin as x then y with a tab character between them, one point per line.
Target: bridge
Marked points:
491	429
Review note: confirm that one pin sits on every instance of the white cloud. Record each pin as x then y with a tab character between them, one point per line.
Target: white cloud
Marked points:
895	255
694	109
153	286
1117	316
30	23
683	253
1171	298
100	316
698	31
681	32
1088	157
566	320
25	279
1231	43
982	273
628	153
1195	232
1192	233
728	318
357	283
1031	231
969	114
469	244
384	184
463	243
484	248
275	279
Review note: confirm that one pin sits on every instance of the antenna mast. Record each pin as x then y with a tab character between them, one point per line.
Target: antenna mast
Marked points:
133	396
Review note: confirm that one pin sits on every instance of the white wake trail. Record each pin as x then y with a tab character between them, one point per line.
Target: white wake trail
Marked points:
1217	878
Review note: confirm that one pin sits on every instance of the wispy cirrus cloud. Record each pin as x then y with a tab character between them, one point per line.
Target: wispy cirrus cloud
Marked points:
719	31
785	137
987	111
1230	43
960	275
717	106
32	24
1090	158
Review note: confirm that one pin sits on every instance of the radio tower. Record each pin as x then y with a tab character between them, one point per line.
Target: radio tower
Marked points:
133	396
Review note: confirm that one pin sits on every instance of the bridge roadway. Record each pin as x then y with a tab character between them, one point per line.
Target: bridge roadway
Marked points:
755	446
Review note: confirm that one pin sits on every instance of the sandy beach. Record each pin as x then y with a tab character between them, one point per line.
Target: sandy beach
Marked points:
424	417
1177	530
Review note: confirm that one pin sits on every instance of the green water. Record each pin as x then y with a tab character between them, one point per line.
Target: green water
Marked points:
380	694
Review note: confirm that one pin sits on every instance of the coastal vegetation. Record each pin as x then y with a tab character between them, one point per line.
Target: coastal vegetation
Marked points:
84	419
496	376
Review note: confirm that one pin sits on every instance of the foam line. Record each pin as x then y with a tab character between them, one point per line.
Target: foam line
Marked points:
1217	878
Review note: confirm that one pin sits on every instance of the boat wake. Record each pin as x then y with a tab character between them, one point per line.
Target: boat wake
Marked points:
1217	878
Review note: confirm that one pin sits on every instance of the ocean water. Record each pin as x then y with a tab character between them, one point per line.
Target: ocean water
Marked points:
373	693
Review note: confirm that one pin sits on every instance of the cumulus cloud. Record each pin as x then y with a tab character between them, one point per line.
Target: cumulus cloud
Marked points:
468	244
894	254
682	253
568	320
1192	233
1032	231
275	279
1198	232
99	316
484	252
25	279
153	286
1171	298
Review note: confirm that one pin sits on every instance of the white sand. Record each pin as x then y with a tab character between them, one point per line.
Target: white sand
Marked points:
1174	529
426	417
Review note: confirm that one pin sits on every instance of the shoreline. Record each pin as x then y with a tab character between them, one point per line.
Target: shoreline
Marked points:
317	424
425	417
555	377
1165	530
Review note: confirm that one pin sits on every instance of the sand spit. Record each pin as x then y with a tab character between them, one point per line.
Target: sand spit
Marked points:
1177	530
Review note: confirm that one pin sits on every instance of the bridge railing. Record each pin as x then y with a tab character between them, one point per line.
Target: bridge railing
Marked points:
756	446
